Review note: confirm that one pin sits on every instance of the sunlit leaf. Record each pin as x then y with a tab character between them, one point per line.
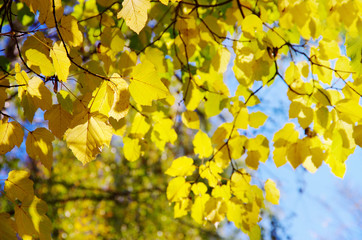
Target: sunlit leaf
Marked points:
39	146
182	166
202	144
18	185
11	135
87	134
177	189
131	149
59	120
134	12
271	191
61	61
146	84
191	119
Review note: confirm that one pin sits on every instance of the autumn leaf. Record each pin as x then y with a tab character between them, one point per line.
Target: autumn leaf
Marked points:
182	166
272	193
111	98
39	146
18	185
146	85
61	61
131	149
58	120
70	32
31	220
191	119
177	189
11	135
202	144
87	134
7	230
134	12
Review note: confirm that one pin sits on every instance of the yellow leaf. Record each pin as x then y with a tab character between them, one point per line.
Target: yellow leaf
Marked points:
177	189
235	211
252	160
215	210
329	49
190	119
69	30
255	233
146	85
35	51
59	120
41	95
40	60
303	113
31	220
18	185
131	149
61	61
259	144
213	104
3	94
309	165
118	126
198	208
272	193
46	16
182	207
165	2
157	57
280	156
182	166
236	145
134	12
222	132
211	172
202	144
343	69
33	94
257	119
21	79
11	134
192	95
349	111
199	188
242	118
28	105
65	101
120	106
163	132
39	146
7	231
297	153
285	135
221	60
103	98
139	126
240	183
247	94
222	191
87	134
251	25
357	134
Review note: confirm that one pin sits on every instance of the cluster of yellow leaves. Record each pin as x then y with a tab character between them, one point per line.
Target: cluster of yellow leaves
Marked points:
29	220
237	199
113	76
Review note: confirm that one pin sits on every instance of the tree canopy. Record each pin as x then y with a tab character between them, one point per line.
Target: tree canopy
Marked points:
139	93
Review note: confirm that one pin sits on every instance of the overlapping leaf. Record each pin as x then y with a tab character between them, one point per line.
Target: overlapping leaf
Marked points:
87	134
